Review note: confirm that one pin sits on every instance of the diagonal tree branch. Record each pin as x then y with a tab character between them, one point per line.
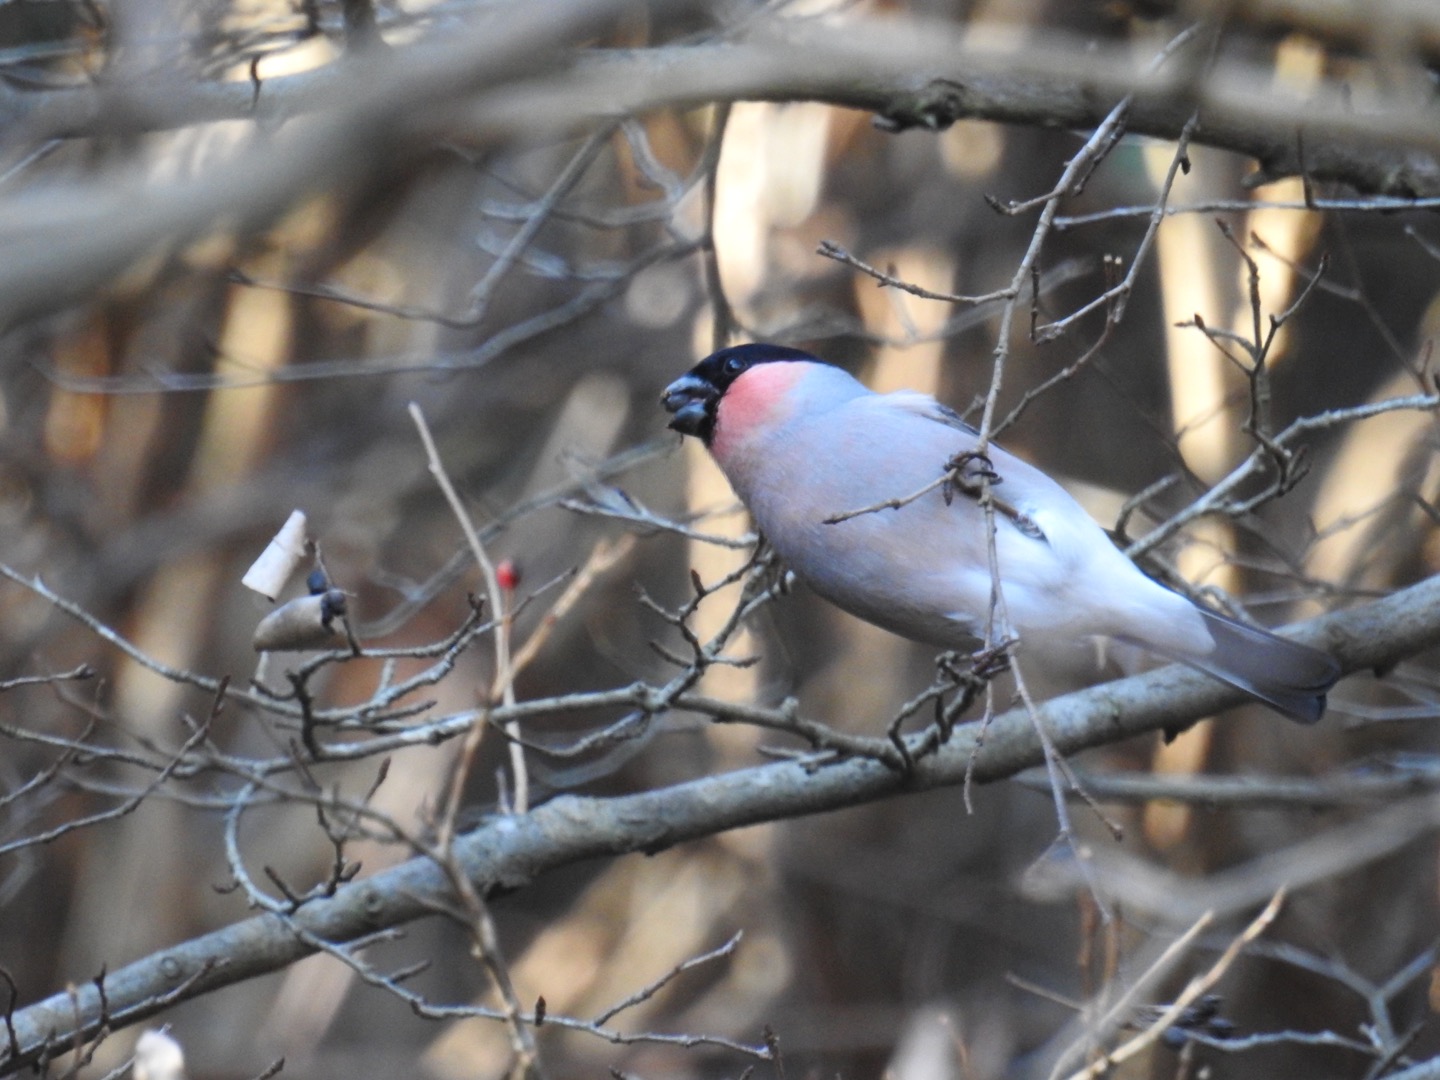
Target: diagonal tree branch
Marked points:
927	76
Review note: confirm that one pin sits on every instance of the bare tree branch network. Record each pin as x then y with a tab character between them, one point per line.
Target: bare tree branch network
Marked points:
519	753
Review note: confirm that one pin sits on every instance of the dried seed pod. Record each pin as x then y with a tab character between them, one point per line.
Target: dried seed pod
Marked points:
307	622
158	1057
269	573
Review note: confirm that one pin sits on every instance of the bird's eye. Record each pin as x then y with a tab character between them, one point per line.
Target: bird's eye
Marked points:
734	366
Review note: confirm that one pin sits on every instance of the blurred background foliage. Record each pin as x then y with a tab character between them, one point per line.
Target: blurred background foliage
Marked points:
172	391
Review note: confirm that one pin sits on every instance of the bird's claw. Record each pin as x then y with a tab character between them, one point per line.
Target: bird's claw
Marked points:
988	663
967	473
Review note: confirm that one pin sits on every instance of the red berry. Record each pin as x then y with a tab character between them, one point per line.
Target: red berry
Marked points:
507	574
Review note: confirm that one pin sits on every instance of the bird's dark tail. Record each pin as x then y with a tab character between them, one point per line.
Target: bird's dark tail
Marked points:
1289	677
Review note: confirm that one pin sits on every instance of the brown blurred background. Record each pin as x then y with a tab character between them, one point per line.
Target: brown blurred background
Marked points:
159	420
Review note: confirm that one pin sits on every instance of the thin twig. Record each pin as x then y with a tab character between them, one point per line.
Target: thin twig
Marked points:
1199	985
503	688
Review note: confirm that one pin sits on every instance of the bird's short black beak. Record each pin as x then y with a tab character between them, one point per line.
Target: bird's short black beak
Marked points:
692	401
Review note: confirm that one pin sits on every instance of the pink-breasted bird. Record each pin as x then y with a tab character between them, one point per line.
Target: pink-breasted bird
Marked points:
803	443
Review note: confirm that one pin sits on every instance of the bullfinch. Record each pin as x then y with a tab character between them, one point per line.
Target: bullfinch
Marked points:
806	446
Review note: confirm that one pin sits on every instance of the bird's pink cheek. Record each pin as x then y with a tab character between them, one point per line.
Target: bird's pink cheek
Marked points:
756	403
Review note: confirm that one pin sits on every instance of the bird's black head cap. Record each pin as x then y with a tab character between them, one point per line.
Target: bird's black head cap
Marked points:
695	396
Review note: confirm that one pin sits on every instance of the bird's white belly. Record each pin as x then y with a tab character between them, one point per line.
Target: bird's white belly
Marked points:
922	570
